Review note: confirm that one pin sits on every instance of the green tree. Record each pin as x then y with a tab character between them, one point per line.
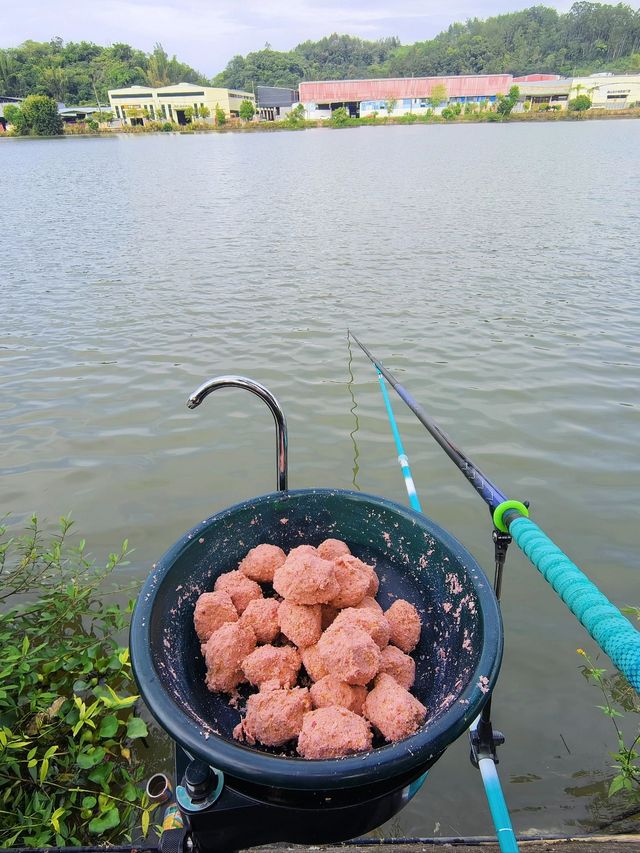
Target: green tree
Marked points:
390	105
54	79
105	117
13	115
220	115
438	95
345	57
8	73
247	110
205	112
339	117
40	116
507	102
158	67
295	117
579	104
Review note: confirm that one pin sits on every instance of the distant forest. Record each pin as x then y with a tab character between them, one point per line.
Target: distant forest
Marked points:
590	37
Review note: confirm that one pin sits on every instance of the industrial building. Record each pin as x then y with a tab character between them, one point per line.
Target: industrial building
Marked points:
177	103
402	95
607	91
274	102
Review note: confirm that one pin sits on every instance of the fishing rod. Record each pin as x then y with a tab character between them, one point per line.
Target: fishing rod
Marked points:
480	482
484	740
612	631
403	459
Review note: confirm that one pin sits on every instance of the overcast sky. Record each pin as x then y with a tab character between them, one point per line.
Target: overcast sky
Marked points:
207	33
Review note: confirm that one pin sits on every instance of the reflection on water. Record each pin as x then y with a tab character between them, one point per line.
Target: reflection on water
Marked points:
354	412
602	812
492	268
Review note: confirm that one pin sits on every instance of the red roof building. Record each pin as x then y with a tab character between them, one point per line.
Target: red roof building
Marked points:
463	86
536	78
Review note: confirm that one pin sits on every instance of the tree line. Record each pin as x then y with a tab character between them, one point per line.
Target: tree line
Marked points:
82	72
589	37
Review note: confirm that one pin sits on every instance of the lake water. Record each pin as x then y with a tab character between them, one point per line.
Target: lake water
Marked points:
494	269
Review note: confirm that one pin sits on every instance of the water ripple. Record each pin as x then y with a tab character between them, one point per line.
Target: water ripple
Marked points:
493	269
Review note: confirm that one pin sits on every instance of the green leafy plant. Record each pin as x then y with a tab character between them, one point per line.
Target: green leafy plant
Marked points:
620	699
220	114
247	110
451	112
506	103
13	115
295	117
68	772
339	117
36	116
579	104
102	117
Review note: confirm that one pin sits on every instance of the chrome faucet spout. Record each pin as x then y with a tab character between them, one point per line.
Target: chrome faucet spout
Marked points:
282	443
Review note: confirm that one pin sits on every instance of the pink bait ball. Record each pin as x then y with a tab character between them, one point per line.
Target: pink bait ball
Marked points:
261	614
354	578
274	717
333	732
370	620
313	663
225	650
305	578
300	623
393	710
399	666
261	562
212	610
332	548
239	587
350	654
271	663
405	625
329	691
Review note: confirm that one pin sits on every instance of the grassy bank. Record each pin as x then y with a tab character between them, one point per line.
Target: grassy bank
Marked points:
486	117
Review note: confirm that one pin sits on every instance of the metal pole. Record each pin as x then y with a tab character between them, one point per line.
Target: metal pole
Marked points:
201	393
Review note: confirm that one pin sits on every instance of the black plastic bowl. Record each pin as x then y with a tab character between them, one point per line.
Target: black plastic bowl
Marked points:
457	659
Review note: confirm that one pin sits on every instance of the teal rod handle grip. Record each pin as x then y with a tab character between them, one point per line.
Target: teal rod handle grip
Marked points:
613	632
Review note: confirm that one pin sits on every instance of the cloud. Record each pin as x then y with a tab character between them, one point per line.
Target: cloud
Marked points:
207	33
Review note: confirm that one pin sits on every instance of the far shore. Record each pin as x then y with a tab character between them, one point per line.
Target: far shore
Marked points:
80	131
